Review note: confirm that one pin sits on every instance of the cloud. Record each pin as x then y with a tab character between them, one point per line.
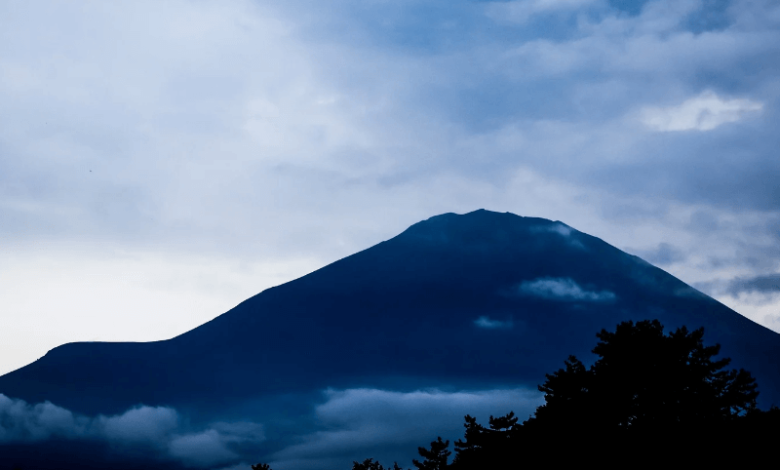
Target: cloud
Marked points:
521	11
202	123
20	421
663	255
138	430
763	284
488	324
389	425
568	233
562	229
204	448
704	112
140	425
563	289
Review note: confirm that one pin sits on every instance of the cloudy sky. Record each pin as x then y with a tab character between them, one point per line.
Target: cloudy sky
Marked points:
160	162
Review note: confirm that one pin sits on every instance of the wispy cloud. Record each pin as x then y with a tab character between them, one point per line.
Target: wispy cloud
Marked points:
489	324
562	289
704	112
664	254
521	11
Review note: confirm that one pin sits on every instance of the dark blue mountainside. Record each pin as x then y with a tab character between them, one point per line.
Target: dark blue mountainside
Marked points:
471	301
406	311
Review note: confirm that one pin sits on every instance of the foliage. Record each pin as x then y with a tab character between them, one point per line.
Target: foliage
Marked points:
370	464
435	458
645	380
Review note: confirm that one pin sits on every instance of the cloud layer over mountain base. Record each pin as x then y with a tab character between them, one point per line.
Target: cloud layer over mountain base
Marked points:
349	425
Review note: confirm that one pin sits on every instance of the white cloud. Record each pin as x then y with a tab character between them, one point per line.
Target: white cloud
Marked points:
488	324
704	112
563	289
561	229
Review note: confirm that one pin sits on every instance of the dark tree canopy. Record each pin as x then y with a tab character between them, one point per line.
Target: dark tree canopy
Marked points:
371	464
435	458
647	396
644	379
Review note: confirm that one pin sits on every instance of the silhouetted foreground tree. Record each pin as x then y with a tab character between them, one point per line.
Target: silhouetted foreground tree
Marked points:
370	464
644	379
435	458
648	398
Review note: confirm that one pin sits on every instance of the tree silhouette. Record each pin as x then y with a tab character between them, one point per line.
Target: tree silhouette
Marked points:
370	464
648	396
488	447
435	458
645	380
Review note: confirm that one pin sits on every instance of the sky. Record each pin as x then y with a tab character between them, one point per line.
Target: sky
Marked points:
160	162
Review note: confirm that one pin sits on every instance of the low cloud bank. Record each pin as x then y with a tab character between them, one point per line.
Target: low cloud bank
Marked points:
142	429
389	426
562	289
346	425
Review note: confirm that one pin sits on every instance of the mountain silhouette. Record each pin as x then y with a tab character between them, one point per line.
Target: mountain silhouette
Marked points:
477	300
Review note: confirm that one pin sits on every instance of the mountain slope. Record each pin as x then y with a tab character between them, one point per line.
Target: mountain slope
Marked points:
469	301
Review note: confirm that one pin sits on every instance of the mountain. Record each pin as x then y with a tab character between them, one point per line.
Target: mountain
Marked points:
475	301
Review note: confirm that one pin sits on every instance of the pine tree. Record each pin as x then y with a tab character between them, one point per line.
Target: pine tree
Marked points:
435	458
645	380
